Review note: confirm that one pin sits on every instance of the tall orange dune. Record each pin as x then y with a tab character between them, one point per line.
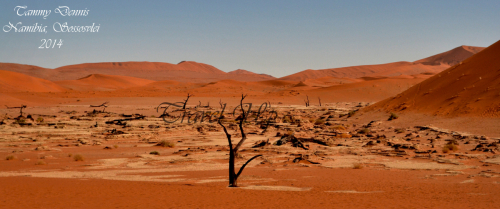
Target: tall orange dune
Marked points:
369	90
451	57
100	82
30	70
384	70
430	65
471	88
18	82
185	71
245	75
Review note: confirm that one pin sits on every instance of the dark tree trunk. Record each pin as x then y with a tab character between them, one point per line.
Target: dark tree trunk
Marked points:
186	101
232	175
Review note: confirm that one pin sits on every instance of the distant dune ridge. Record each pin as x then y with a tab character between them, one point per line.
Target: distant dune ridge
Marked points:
431	65
254	76
189	71
385	70
185	71
369	83
100	82
472	87
18	82
451	57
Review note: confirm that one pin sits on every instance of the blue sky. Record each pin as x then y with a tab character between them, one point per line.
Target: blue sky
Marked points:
274	37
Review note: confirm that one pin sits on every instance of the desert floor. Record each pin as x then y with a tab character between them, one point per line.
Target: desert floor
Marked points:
72	155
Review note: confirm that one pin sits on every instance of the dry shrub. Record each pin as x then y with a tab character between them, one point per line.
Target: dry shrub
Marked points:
319	122
365	131
41	162
393	116
10	157
154	153
287	120
165	143
450	147
338	127
358	166
78	157
115	146
39	120
399	130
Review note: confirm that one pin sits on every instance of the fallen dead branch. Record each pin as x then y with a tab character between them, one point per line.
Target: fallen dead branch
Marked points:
121	121
103	105
20	108
294	140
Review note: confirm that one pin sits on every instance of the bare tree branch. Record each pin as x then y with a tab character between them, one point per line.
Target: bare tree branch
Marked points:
186	101
243	117
105	104
228	136
242	167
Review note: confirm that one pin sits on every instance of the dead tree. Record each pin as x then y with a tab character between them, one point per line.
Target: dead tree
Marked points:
20	108
207	106
186	101
233	151
104	105
221	104
307	101
319	101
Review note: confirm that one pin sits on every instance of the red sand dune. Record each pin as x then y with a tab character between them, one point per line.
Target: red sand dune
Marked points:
365	91
99	82
277	83
431	65
11	101
30	70
18	82
329	81
233	87
165	87
369	83
451	57
470	88
222	88
385	70
245	75
186	71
